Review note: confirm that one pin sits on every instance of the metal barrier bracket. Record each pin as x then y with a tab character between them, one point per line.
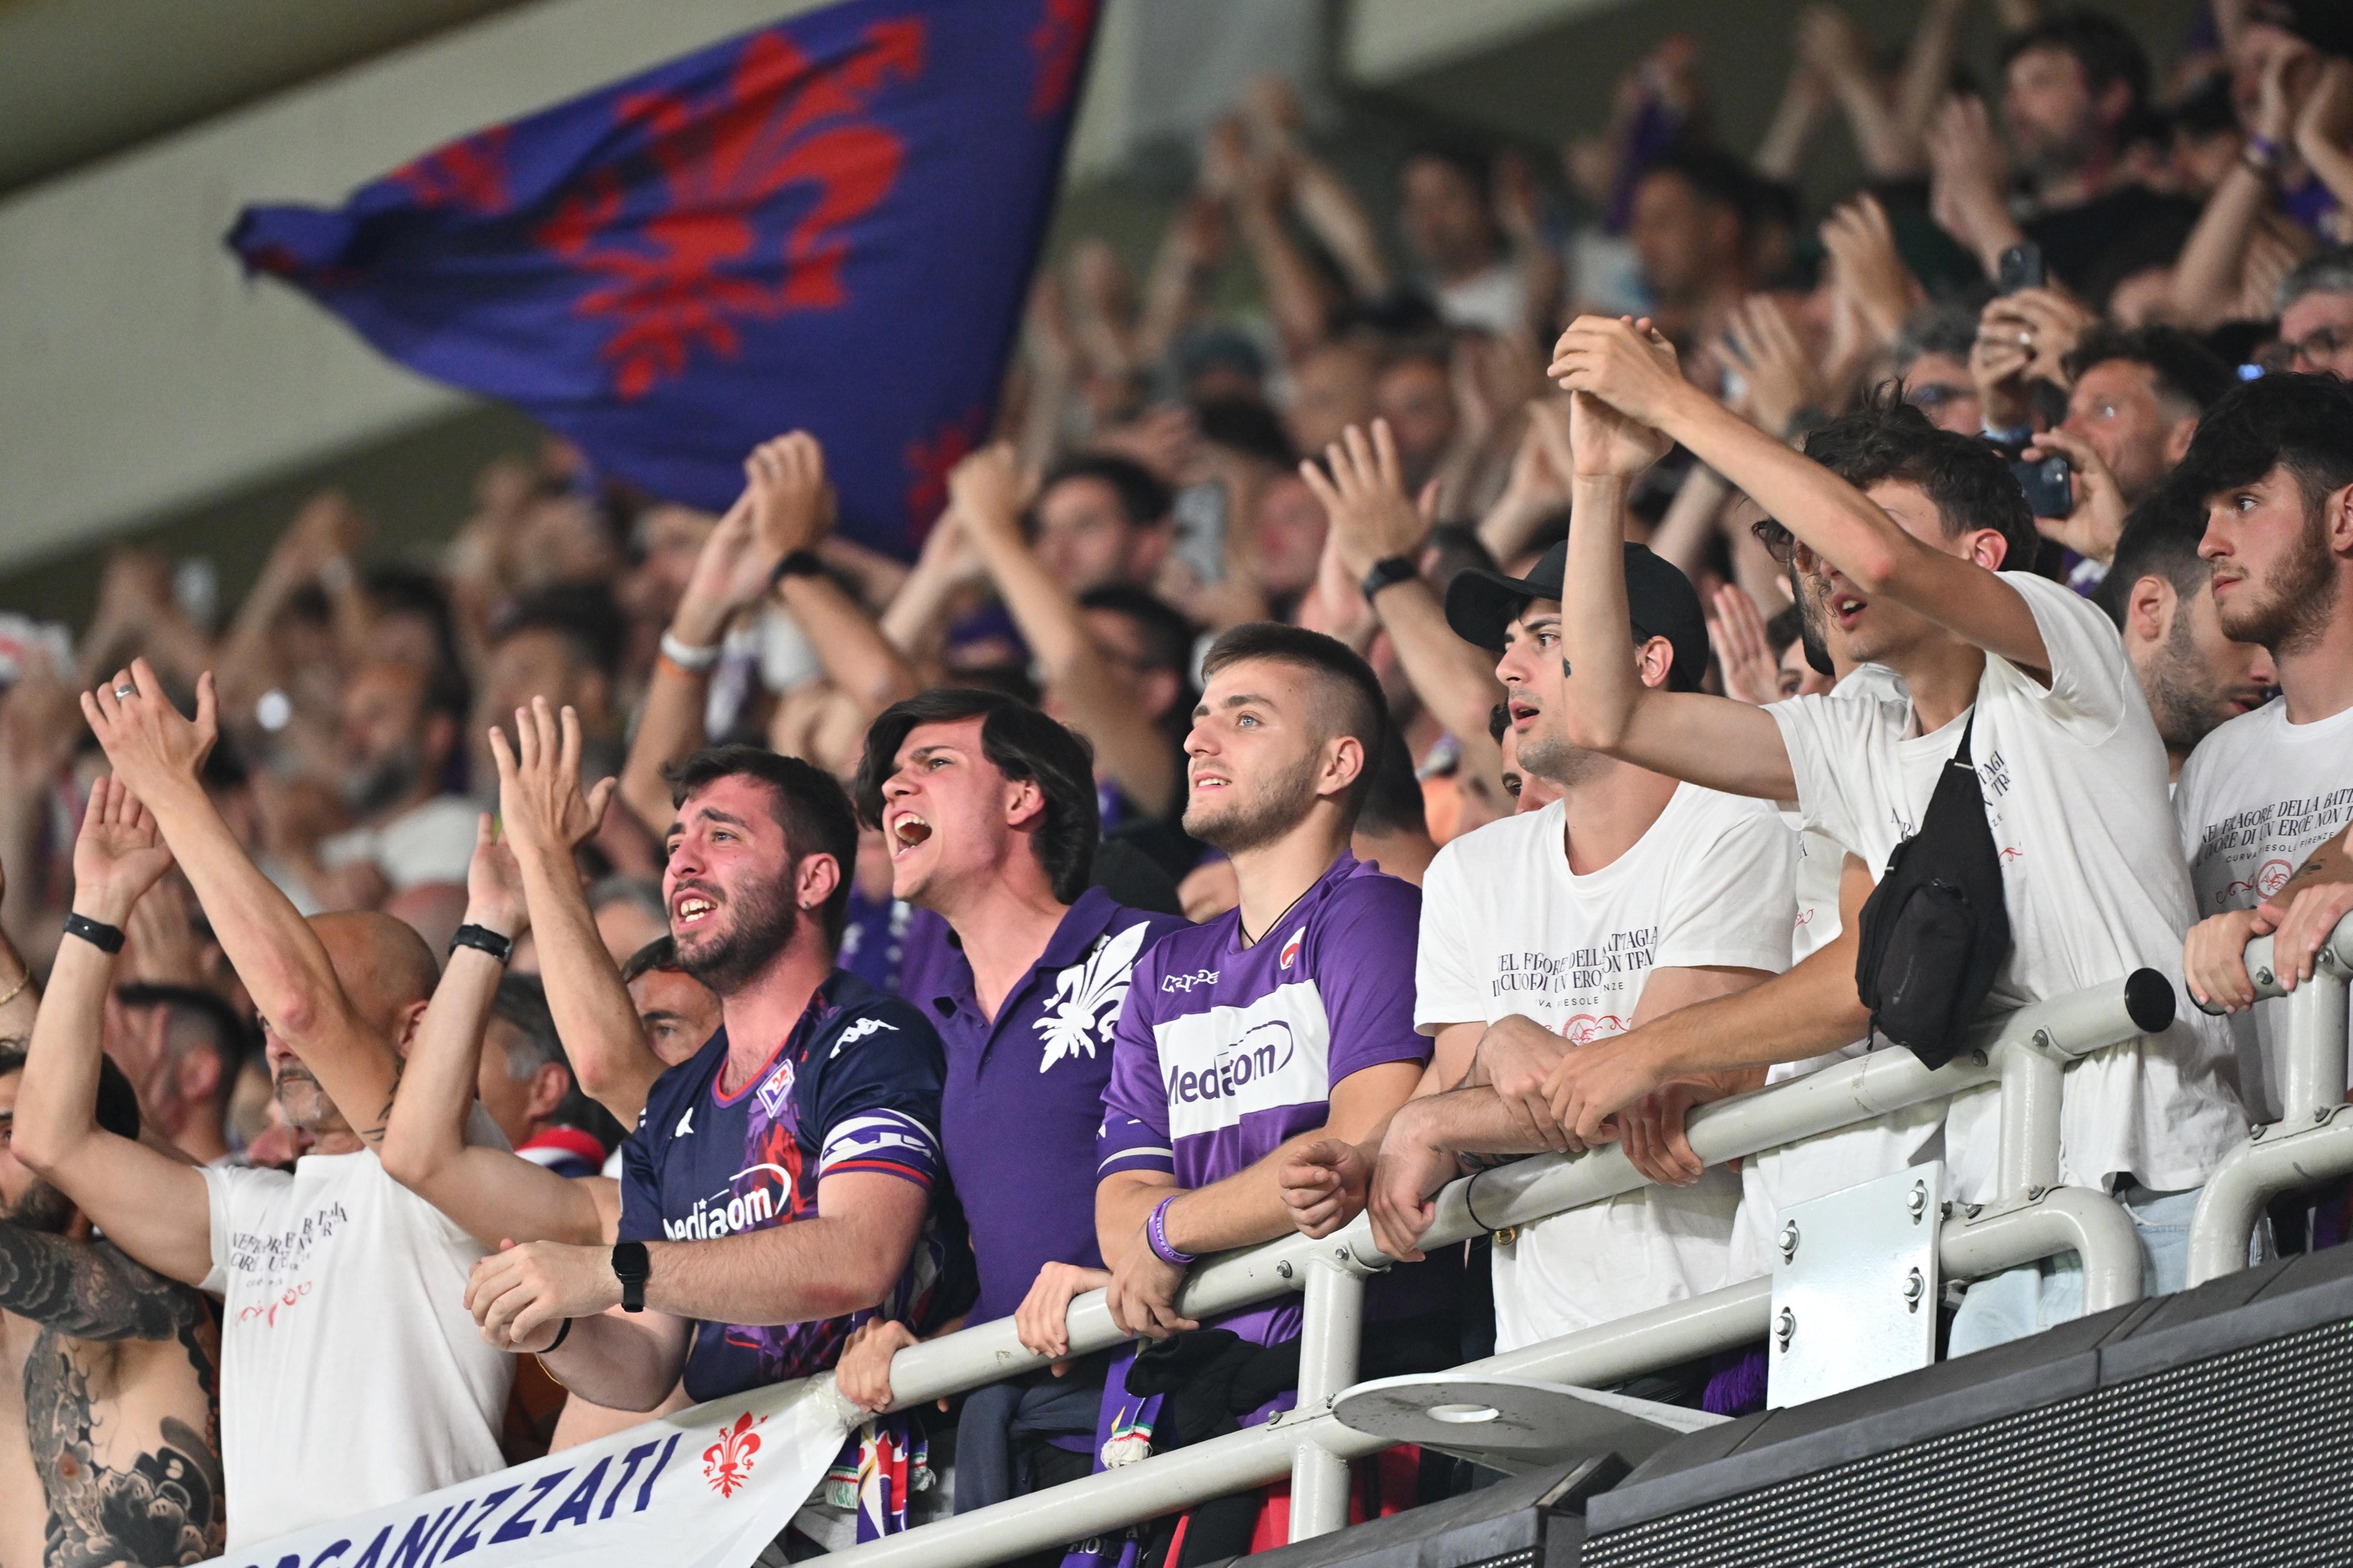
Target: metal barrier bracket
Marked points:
1855	1288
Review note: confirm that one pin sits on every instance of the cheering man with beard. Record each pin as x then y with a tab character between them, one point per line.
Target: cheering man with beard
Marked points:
785	1181
1283	1023
348	1380
990	809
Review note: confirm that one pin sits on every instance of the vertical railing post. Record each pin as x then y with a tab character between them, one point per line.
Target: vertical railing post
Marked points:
2313	1082
2031	1082
1333	1320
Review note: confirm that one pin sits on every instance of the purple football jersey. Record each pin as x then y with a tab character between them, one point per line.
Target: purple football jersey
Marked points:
1224	1051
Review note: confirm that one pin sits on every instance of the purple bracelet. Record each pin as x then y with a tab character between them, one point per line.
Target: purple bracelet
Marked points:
1155	1236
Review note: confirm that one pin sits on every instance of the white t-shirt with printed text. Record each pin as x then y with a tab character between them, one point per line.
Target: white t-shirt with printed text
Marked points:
1832	1161
1506	929
351	1374
2073	778
2257	797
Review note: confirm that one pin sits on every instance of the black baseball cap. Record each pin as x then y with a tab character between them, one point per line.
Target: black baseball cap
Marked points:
1660	600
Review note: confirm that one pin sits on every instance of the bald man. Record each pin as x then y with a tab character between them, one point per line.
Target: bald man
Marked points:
351	1375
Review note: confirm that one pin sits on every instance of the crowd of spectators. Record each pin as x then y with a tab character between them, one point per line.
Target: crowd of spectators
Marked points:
1457	708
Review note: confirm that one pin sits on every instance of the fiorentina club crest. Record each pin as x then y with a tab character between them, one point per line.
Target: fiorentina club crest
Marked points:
727	1464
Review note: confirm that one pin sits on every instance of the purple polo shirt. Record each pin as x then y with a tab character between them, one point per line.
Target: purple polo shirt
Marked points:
1225	1051
1024	1095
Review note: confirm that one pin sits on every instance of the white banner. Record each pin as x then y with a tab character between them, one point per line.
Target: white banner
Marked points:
707	1488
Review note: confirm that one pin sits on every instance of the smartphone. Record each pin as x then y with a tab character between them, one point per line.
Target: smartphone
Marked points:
2021	267
2048	484
1200	524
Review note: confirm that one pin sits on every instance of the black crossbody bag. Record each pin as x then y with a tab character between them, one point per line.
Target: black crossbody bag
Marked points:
1935	931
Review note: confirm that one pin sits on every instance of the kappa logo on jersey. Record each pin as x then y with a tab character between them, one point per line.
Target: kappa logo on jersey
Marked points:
1187	982
754	1196
776	1088
856	1031
685	1123
1290	955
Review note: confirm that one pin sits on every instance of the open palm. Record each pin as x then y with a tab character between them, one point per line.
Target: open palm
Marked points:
119	855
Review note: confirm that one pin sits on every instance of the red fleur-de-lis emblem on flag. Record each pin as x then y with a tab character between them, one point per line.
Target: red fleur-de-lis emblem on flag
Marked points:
470	174
727	1464
683	277
928	463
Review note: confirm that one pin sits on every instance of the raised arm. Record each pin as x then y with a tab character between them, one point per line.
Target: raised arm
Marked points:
732	572
792	508
491	1193
90	1290
151	1206
985	491
1373	519
1846	529
546	820
1612	708
283	963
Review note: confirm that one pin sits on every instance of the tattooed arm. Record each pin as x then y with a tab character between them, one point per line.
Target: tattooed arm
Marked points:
89	1289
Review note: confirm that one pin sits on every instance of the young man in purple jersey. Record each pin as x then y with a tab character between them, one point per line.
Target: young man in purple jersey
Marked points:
1283	1023
989	810
786	1179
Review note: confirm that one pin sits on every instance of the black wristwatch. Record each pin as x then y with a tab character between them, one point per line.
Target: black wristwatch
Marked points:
482	938
1388	573
798	563
632	1269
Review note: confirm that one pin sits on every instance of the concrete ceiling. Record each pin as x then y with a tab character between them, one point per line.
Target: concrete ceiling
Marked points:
82	79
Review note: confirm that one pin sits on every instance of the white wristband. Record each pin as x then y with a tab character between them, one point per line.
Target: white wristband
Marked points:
687	657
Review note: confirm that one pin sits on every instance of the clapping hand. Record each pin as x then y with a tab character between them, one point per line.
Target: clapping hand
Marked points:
118	854
153	749
1373	519
540	798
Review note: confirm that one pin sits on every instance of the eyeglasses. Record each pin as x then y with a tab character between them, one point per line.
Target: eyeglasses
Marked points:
2314	347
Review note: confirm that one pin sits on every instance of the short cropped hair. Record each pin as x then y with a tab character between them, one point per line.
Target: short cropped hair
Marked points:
521	1002
2187	371
198	1018
806	802
1946	327
2103	46
1393	804
1967	481
582	613
1142	499
2160	538
1020	743
2330	273
660	955
1167	635
2300	423
1357	709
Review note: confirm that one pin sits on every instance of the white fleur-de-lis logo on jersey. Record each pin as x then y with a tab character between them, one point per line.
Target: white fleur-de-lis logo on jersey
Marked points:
1087	997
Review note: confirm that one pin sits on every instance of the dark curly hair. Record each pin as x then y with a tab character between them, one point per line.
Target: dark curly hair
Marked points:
2300	423
1967	481
1020	743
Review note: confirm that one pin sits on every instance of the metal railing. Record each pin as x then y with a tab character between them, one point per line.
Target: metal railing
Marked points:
2021	1056
2312	1141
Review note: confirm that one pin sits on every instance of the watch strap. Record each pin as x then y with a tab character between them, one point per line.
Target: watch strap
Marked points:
482	938
97	933
632	1268
798	563
1388	573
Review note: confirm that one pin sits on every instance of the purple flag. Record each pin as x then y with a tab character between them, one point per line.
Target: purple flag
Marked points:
826	225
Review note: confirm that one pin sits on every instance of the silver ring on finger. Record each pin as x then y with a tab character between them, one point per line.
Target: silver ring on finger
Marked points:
125	693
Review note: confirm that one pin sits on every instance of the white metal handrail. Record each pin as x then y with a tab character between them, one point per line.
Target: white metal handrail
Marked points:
2312	1142
2031	1218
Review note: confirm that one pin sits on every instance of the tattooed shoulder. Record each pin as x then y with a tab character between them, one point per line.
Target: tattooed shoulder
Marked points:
157	1504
